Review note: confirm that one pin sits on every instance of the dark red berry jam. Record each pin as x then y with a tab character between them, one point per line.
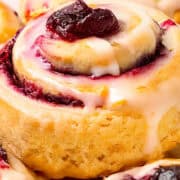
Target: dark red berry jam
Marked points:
27	88
3	154
33	91
167	24
3	159
3	164
80	21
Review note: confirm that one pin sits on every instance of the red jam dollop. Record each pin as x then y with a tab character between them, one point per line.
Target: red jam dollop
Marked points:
78	21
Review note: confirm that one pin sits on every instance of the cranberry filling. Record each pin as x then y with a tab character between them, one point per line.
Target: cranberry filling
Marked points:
167	24
162	173
3	159
3	154
33	91
148	60
29	89
79	21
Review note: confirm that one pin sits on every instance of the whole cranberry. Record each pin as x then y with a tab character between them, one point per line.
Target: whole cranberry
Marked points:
79	21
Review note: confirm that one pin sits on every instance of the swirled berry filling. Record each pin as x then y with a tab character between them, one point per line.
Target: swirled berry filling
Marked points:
148	60
27	88
79	21
168	23
3	159
161	173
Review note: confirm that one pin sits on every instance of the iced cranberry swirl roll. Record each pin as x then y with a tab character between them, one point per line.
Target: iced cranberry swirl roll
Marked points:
90	88
159	170
12	169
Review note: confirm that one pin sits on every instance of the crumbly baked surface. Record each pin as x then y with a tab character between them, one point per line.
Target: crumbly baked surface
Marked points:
82	146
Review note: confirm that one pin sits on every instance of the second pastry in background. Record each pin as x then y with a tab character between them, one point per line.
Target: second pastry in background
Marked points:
9	23
170	7
31	9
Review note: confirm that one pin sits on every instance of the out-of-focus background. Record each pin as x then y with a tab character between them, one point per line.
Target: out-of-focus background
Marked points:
12	3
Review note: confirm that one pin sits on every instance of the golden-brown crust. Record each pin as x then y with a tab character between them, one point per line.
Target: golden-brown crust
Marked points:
31	9
86	138
103	138
177	16
9	23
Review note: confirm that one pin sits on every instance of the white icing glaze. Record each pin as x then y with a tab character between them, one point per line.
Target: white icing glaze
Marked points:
9	174
159	101
105	52
112	69
102	46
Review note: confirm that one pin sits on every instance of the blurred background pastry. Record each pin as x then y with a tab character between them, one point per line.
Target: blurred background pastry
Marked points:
31	9
166	169
170	7
9	23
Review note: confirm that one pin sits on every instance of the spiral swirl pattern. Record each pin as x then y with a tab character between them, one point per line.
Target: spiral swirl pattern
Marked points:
92	56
